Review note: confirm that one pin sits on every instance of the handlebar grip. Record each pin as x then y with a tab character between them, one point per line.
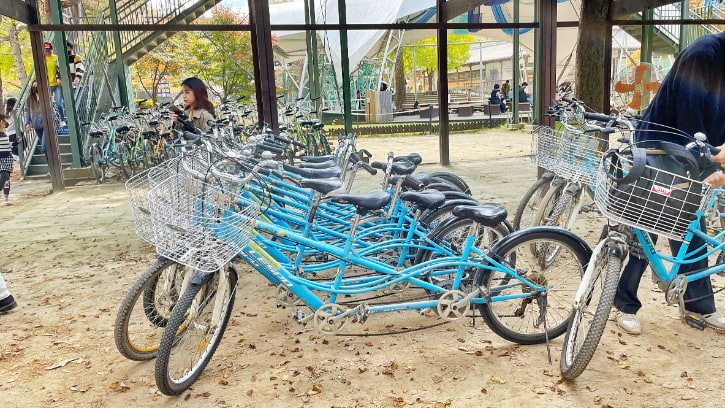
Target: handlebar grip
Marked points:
368	168
599	117
412	184
271	148
568	99
379	165
713	150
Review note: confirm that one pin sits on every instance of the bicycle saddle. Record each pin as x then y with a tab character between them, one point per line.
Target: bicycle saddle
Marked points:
122	129
318	126
154	123
424	199
149	134
318	165
314	173
489	214
307	123
413	157
96	134
422	178
317	159
373	200
324	186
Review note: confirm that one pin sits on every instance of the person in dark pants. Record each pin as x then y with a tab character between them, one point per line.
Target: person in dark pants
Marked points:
697	81
497	98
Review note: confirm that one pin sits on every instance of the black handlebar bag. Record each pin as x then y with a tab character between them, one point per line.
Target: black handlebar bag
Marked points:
655	187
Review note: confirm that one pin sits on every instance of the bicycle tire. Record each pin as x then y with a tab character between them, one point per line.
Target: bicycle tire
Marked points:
146	285
552	208
172	343
453	179
573	362
441	186
326	149
122	157
99	171
446	233
502	323
530	202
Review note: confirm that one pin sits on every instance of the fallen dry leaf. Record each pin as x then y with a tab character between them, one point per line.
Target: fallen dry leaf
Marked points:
497	380
61	363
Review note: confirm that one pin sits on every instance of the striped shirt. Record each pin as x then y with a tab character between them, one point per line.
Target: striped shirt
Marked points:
5	146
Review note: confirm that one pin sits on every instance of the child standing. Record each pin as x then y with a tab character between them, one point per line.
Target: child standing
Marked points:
6	159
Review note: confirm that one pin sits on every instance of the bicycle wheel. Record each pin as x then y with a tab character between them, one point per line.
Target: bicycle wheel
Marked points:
530	203
520	319
587	325
325	144
147	154
452	235
201	314
122	155
139	325
452	179
98	169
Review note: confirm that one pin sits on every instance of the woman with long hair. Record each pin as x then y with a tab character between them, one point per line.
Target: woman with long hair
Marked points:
196	103
35	115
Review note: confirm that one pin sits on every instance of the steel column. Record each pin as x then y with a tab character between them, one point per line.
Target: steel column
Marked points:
415	79
345	62
516	60
684	29
443	140
260	17
647	33
546	79
313	59
41	76
480	70
120	71
71	116
607	94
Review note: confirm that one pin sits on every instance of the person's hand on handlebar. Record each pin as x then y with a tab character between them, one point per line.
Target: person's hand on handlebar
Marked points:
716	179
720	157
174	116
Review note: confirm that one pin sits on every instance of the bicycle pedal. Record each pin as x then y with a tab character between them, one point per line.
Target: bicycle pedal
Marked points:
695	321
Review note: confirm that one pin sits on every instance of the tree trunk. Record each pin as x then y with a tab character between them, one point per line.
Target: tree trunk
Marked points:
12	38
399	81
2	96
590	53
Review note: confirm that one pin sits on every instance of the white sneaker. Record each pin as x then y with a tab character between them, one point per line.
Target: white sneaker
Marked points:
715	321
628	323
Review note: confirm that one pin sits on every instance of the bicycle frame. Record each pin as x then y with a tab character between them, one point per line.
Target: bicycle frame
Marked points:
684	255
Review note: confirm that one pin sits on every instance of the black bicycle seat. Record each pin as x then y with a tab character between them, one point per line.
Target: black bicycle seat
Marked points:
319	165
149	134
154	123
424	199
373	200
422	178
96	134
323	186
318	126
489	214
314	173
317	159
413	157
122	129
403	168
306	123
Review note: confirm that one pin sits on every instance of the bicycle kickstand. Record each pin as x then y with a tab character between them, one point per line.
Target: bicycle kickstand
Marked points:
543	302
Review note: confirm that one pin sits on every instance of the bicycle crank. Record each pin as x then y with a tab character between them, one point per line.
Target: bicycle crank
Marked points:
330	318
453	305
285	298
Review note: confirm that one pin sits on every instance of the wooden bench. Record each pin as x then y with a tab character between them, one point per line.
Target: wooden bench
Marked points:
524	112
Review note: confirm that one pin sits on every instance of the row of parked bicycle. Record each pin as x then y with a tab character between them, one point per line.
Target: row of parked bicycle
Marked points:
130	142
419	243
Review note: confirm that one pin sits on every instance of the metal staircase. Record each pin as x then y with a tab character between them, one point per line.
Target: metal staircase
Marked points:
99	87
666	38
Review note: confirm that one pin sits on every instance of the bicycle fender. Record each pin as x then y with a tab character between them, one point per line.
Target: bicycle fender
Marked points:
517	234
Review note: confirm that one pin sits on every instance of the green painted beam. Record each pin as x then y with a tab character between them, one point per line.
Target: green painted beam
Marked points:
647	37
345	62
15	9
684	29
119	69
71	116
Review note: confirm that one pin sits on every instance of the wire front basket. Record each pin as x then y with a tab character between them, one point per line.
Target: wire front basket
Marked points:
200	224
572	155
137	188
658	201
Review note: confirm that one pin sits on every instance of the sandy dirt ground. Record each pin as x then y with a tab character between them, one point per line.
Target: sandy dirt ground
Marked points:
70	257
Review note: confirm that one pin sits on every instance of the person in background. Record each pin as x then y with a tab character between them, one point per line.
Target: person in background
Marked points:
196	103
696	81
523	95
497	98
76	65
6	160
12	133
34	121
51	64
7	302
469	96
506	89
